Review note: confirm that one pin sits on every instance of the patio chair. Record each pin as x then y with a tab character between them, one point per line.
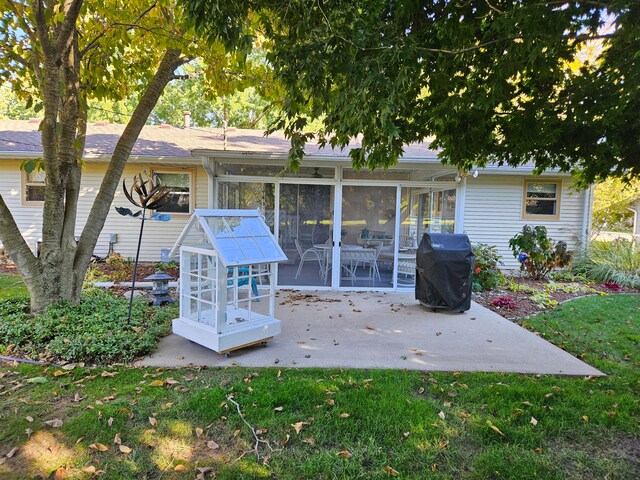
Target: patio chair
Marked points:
312	254
243	279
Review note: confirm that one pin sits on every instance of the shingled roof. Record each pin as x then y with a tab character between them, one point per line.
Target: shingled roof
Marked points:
23	136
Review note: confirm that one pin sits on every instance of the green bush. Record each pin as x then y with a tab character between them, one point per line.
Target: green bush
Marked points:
617	261
95	330
486	275
535	252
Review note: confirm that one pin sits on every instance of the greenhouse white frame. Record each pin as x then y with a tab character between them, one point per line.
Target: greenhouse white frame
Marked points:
227	279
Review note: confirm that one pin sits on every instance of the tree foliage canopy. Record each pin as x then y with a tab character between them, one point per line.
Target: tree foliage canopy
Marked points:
484	81
60	55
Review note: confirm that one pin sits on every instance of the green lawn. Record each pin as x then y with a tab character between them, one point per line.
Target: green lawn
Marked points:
340	423
11	286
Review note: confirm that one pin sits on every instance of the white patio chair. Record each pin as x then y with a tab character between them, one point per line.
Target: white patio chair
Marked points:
312	254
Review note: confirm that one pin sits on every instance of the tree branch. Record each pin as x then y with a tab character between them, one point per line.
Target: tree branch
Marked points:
172	59
14	242
65	36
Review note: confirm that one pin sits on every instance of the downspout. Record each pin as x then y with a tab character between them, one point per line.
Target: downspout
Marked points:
586	218
208	166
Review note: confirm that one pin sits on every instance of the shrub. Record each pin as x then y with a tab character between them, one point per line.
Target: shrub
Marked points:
120	267
504	302
535	252
617	261
486	275
95	330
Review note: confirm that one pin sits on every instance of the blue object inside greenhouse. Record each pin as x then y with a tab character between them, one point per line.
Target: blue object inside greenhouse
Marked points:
243	279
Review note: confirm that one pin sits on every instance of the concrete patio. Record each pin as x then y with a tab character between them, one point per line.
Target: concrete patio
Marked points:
331	329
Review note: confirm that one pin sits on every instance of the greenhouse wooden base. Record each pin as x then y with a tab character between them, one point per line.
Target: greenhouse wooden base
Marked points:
223	343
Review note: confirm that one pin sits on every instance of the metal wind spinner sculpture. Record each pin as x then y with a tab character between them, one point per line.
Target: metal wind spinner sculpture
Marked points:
152	195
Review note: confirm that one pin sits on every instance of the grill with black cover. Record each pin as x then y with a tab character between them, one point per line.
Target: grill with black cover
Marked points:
444	267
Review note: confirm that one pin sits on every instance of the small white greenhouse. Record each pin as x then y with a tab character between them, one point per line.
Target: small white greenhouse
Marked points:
227	279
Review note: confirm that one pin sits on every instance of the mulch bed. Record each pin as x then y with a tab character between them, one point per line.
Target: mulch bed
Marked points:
144	270
525	307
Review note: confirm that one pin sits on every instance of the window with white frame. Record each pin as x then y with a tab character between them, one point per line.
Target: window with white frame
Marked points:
542	199
34	186
179	184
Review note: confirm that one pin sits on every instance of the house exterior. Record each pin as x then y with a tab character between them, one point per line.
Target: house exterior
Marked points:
326	213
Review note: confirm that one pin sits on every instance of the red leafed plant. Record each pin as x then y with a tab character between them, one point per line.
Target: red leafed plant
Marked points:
613	286
504	302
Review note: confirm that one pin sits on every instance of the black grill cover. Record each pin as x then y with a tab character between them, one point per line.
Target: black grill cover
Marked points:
444	266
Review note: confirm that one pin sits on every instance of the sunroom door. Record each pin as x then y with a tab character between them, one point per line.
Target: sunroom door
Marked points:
305	234
367	231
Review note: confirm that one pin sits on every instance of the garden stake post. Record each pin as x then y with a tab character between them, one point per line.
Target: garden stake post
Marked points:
152	196
135	267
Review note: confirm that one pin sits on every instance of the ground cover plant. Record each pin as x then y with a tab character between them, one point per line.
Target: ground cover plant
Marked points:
95	330
287	423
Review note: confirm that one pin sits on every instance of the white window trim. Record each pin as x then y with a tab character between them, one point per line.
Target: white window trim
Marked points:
533	216
192	182
25	183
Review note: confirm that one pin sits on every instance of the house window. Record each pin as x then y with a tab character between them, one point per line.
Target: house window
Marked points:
34	183
542	200
180	191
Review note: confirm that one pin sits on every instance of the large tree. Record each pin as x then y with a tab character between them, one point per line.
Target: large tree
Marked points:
483	80
58	55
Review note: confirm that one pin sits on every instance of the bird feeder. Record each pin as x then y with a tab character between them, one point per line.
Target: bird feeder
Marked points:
227	279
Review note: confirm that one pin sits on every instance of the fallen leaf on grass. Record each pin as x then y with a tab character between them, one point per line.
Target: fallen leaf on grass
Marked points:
330	401
110	421
585	418
286	440
108	374
180	468
298	426
125	449
29	419
153	422
494	428
212	445
533	421
278	409
99	447
89	469
55	423
116	439
391	471
12	452
156	383
344	415
199	432
345	454
310	441
37	380
441	415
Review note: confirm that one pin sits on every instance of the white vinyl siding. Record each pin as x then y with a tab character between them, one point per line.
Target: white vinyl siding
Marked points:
157	235
493	213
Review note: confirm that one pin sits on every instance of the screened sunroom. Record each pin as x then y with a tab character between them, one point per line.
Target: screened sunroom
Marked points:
227	279
341	228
